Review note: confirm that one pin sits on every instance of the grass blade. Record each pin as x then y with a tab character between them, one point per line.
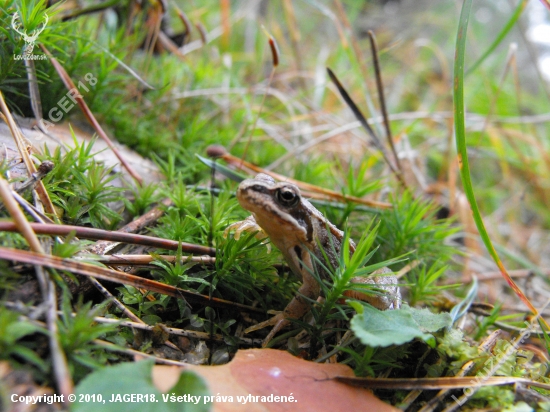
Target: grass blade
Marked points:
462	149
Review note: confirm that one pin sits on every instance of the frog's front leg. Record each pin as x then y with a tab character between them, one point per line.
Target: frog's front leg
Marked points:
247	225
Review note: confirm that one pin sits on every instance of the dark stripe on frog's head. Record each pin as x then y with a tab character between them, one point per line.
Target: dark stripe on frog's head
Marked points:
301	215
298	251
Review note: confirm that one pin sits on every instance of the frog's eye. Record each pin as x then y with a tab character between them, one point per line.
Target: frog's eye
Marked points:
287	197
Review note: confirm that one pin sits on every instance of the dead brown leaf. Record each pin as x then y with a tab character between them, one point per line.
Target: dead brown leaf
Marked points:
264	372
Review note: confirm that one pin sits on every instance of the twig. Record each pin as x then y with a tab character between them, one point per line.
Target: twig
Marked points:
40	189
219	151
20	223
59	361
127	312
132	352
132	260
178	332
117	277
145	220
90	233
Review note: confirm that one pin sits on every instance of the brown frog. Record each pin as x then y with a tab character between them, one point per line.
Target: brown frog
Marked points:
298	230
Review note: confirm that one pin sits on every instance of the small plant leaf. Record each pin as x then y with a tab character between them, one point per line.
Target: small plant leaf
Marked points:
113	382
428	321
384	328
119	380
190	384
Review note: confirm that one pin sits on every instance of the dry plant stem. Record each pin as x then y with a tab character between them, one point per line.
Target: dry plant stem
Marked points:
178	332
137	354
202	32
409	399
131	227
185	20
20	223
380	87
154	20
30	209
63	376
137	260
242	164
21	147
59	361
125	311
434	402
488	375
117	277
169	45
90	233
519	273
69	84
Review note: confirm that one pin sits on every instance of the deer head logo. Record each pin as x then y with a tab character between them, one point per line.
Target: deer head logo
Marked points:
30	38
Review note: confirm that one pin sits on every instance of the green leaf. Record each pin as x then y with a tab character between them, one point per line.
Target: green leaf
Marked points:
191	384
113	382
428	321
109	382
396	327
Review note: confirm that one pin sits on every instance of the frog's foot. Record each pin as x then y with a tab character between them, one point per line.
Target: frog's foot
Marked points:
248	225
278	322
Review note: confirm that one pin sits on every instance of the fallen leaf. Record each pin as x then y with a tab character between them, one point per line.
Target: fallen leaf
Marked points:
268	373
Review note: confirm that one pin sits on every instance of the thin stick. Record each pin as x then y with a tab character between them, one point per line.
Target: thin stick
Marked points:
132	352
90	233
219	151
178	332
145	220
117	277
137	260
380	88
40	189
59	361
